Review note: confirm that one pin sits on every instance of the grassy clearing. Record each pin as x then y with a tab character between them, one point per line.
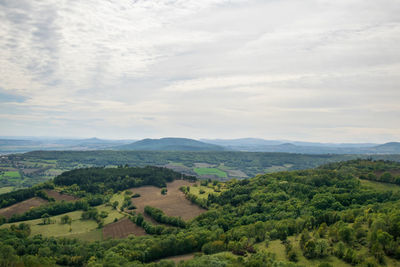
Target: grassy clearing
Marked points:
11	174
207	190
211	171
112	214
6	189
278	249
276	169
94	235
84	229
118	197
380	186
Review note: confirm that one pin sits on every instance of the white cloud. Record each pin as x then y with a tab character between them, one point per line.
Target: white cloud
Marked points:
313	70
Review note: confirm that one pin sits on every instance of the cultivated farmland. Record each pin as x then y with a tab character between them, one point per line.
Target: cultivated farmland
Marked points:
58	196
174	203
121	229
22	207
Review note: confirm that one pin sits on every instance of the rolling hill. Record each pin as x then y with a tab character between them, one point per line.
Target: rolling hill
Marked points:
334	215
170	144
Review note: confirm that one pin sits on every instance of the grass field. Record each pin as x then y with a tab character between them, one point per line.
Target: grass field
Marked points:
207	190
83	229
94	235
380	186
211	171
11	174
7	189
112	214
119	197
278	249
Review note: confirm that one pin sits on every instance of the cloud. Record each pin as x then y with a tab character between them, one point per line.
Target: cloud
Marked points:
313	70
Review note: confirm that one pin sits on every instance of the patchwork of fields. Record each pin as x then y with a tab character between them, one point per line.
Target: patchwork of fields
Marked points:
116	224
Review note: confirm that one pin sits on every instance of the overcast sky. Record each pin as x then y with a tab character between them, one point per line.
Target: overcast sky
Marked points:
312	70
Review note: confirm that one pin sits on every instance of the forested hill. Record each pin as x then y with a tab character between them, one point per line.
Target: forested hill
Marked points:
381	171
99	180
317	217
170	144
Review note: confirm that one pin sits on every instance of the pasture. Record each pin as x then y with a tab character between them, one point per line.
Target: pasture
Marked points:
83	229
278	249
6	189
11	174
204	171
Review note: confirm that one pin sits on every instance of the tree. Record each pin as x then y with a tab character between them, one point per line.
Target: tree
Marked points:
346	234
213	247
46	218
66	219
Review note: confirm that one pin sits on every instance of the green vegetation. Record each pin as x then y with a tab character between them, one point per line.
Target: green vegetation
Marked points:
40	166
211	171
160	217
6	189
209	189
316	217
100	180
10	174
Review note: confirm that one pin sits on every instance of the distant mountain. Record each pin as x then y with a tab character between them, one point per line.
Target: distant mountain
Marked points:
8	145
170	144
261	145
236	144
392	147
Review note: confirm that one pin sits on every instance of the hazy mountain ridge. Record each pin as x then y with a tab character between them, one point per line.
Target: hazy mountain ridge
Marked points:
260	145
18	145
171	144
8	145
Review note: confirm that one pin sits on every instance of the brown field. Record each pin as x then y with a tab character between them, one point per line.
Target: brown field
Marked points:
174	203
121	229
22	207
30	171
58	196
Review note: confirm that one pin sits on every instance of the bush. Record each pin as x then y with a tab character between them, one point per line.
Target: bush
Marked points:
213	247
159	216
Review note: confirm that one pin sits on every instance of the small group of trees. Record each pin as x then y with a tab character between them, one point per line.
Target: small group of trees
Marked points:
127	203
202	202
150	228
94	214
161	217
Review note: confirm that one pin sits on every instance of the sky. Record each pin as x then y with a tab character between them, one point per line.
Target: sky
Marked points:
311	70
